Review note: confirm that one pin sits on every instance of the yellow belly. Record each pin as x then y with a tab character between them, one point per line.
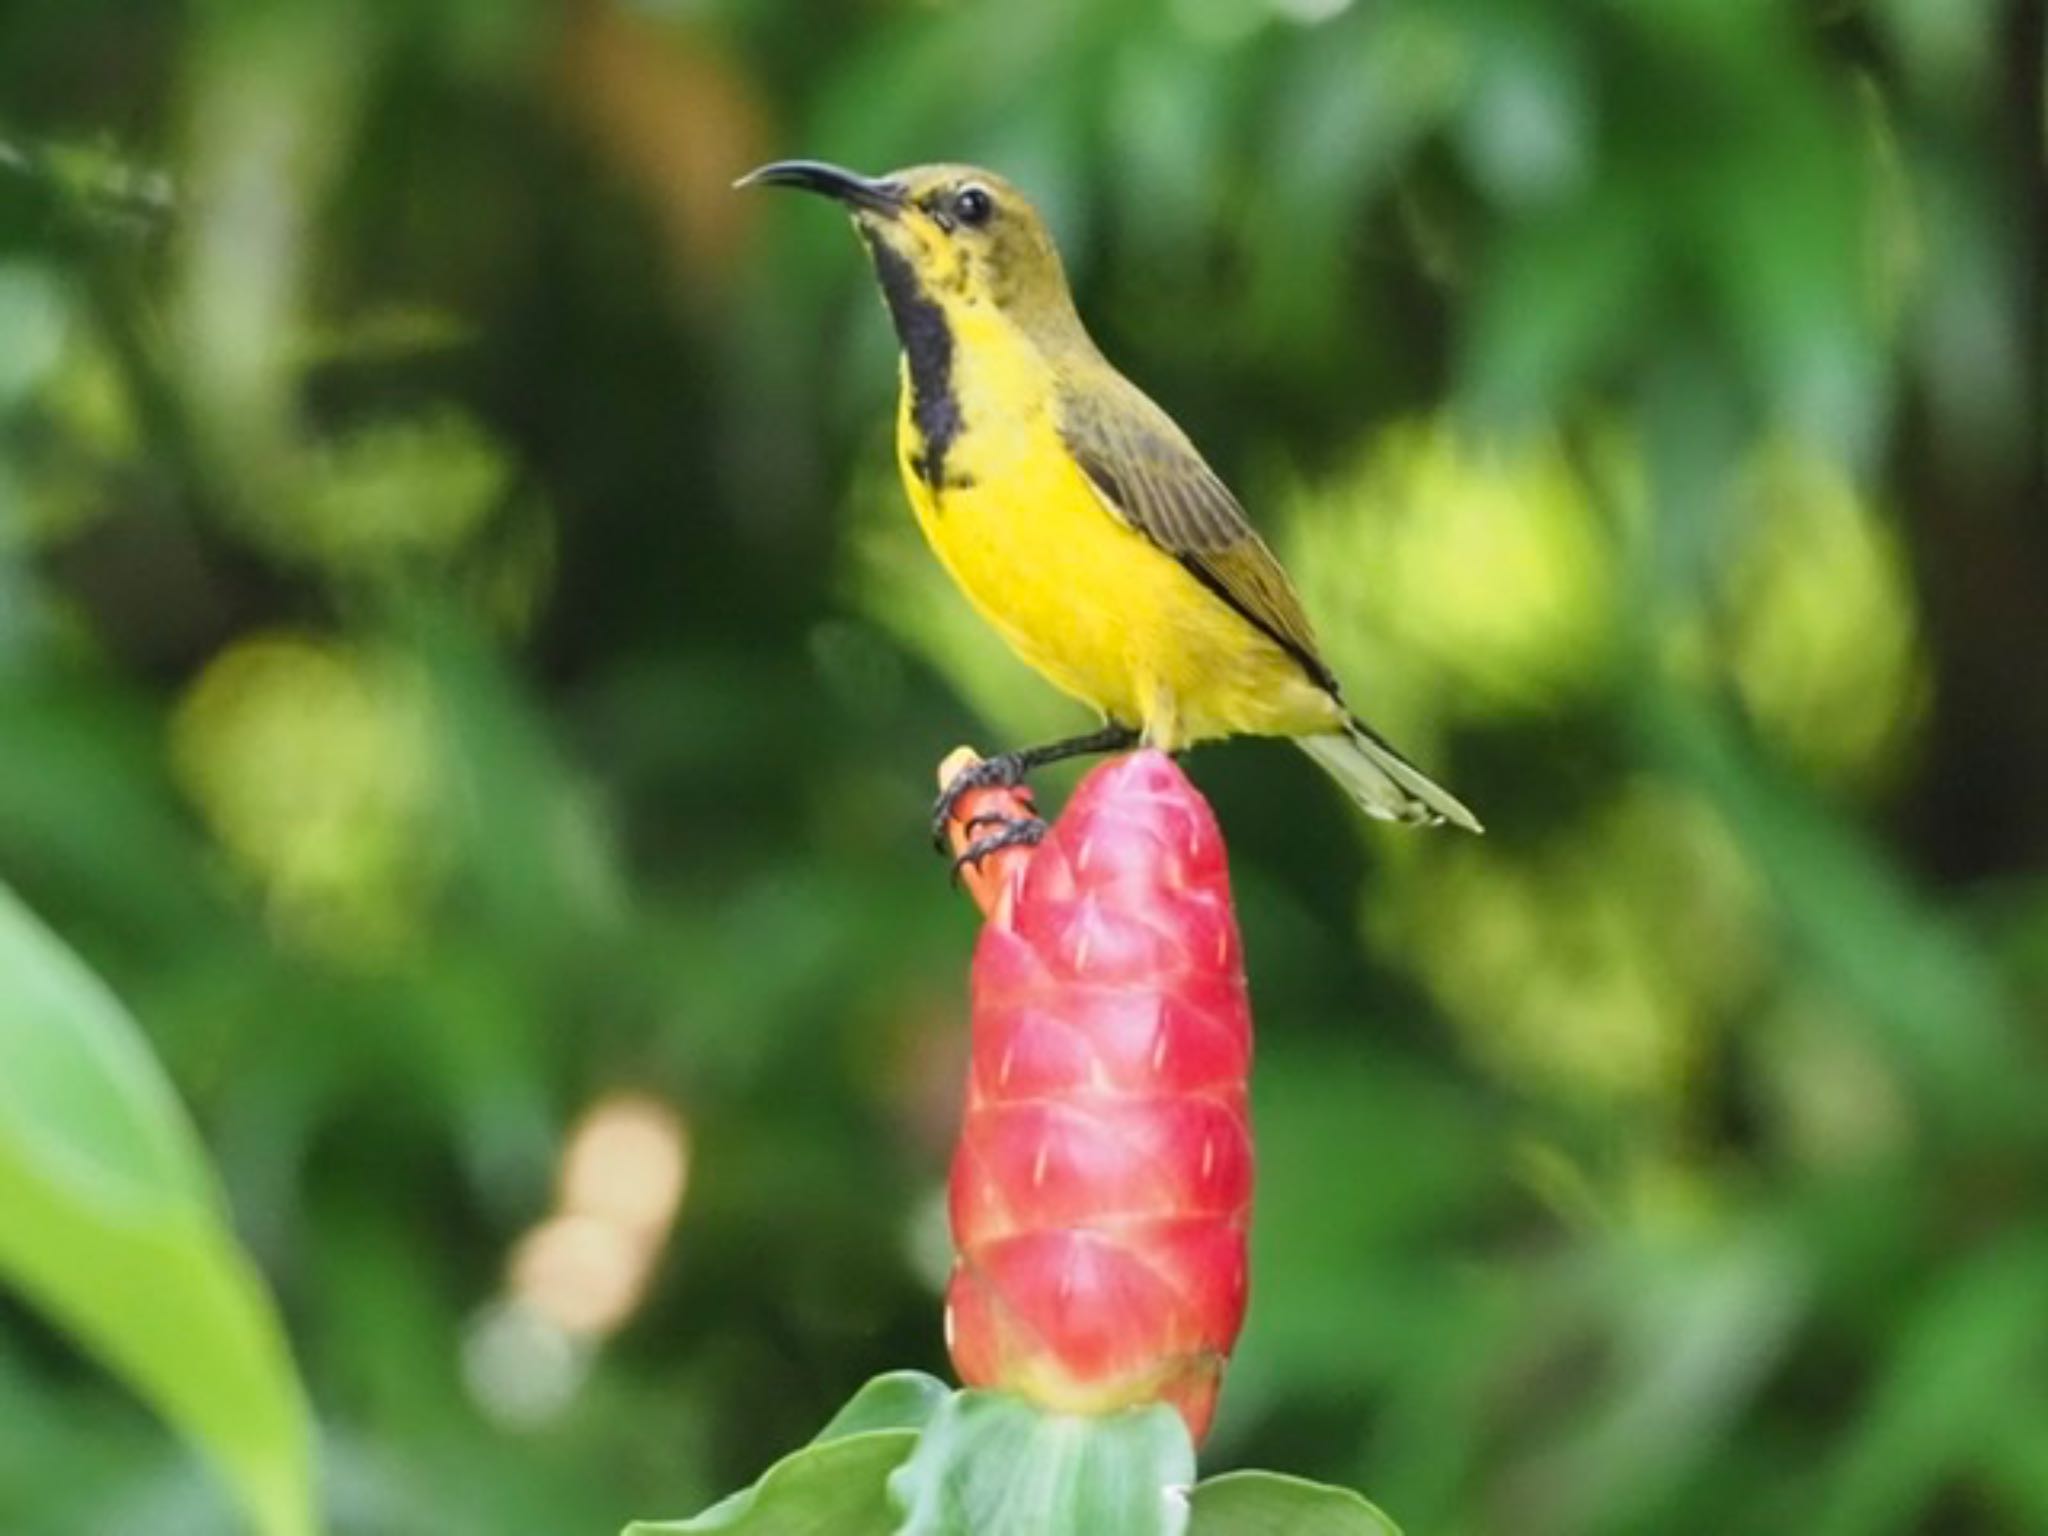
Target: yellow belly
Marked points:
1095	606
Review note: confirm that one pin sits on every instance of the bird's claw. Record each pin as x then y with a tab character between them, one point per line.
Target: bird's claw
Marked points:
1015	830
989	773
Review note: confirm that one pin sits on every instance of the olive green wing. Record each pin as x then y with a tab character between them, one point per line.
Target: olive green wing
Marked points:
1152	478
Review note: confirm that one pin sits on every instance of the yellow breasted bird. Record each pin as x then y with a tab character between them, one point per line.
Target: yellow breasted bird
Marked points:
1078	519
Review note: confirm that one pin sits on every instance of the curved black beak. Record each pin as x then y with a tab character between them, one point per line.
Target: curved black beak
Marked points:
856	191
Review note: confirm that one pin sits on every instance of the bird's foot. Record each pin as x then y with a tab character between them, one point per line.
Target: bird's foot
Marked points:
1011	831
1003	771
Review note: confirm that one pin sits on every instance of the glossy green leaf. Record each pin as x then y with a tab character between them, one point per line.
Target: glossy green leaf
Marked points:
897	1400
836	1487
993	1465
109	1222
839	1482
1267	1504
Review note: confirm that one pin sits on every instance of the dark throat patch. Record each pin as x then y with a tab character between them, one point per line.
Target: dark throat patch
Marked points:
928	350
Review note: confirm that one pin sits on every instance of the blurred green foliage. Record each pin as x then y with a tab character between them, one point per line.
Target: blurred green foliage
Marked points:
468	683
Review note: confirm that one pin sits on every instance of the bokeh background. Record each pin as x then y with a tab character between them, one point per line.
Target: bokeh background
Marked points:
469	684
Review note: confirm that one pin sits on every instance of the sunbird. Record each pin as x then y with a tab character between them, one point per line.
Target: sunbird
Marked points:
1075	515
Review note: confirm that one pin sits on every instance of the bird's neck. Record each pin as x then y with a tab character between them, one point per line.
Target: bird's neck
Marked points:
963	354
926	335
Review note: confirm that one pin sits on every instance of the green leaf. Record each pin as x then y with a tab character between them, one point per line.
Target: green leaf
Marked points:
837	1487
839	1482
993	1465
1946	1394
110	1223
1267	1504
1562	294
897	1400
1923	982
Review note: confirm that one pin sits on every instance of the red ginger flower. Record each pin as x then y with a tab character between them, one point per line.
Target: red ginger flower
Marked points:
1102	1185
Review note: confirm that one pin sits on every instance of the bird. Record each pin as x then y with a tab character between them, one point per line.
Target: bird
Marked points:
1077	517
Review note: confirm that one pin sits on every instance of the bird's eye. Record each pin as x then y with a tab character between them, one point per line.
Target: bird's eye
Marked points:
972	206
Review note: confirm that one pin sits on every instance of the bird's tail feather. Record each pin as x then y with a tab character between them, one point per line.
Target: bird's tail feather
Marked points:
1383	782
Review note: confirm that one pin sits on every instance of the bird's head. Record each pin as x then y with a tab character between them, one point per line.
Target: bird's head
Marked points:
959	235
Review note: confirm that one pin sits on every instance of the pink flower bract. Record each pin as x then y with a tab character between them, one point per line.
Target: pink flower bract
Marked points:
1102	1184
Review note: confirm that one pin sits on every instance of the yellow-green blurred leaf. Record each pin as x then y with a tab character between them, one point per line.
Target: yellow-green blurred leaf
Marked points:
109	1223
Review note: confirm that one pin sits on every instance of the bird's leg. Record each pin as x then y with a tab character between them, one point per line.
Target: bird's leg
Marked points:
1008	768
